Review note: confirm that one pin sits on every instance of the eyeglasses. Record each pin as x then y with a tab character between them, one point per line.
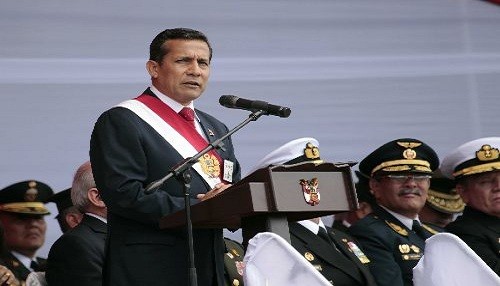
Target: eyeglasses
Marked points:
405	178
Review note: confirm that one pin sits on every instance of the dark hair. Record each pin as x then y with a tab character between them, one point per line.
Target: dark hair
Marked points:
157	50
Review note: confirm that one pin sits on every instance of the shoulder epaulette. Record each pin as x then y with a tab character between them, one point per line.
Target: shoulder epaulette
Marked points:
430	229
397	228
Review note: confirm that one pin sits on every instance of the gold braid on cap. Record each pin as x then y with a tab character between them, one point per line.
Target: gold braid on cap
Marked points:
451	203
25	208
403	165
486	153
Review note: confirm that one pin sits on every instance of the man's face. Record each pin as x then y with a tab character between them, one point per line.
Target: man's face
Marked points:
183	73
402	193
482	192
23	233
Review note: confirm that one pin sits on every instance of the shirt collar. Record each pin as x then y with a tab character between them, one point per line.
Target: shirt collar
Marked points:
312	226
25	260
172	103
408	222
98	217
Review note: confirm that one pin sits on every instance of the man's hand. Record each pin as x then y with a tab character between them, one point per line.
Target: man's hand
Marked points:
215	191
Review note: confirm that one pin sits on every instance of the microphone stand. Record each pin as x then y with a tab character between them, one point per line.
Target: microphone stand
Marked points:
182	174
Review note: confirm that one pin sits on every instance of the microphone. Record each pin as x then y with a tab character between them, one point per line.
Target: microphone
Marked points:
232	101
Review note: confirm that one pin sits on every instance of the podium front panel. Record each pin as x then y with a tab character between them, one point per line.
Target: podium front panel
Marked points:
312	191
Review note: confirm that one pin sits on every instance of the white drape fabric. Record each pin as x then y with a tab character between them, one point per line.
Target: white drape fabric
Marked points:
448	261
271	261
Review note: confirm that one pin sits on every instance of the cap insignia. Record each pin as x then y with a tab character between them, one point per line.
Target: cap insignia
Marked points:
31	193
409	153
311	151
486	153
409	145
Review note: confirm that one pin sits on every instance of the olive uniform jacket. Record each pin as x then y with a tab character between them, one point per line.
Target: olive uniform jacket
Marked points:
233	263
392	248
481	232
344	266
18	269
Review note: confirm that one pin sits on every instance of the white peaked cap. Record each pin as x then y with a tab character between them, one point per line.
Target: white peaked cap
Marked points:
474	157
286	152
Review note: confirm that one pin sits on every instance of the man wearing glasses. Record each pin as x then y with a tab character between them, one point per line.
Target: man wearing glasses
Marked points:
392	236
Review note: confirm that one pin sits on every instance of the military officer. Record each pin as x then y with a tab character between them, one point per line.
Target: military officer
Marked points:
332	252
392	236
475	166
22	212
443	203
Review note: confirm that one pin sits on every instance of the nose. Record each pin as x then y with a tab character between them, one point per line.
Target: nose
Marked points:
194	69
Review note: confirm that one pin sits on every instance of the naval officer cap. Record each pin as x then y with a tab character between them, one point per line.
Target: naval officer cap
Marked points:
443	197
296	151
27	197
62	200
474	157
405	155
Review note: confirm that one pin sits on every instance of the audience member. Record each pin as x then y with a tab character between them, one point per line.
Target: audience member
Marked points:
443	203
77	257
332	252
22	212
475	166
68	215
392	236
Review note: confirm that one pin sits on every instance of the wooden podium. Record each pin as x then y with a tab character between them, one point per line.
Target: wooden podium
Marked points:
269	198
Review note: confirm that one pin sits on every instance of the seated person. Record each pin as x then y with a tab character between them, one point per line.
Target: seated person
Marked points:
68	215
333	253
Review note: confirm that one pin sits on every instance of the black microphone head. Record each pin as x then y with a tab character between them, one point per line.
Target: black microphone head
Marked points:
285	112
228	100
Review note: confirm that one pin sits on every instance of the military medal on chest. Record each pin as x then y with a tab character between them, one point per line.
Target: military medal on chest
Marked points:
210	165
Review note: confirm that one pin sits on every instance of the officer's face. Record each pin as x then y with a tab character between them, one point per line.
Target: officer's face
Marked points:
184	70
405	194
23	233
482	192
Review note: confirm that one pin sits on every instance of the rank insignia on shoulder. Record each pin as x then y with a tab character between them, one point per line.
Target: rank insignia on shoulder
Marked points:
359	254
309	256
397	228
430	229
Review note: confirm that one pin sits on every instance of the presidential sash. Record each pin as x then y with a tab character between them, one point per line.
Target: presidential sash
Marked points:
178	133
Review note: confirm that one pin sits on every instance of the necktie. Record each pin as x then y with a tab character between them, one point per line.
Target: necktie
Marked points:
34	265
188	115
322	233
419	230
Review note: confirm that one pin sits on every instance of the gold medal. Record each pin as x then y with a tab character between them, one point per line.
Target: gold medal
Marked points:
210	165
309	256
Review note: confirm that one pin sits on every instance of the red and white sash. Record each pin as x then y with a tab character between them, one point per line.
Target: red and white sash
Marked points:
178	133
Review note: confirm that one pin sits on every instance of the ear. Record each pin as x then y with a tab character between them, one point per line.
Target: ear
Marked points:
374	187
94	197
152	68
462	192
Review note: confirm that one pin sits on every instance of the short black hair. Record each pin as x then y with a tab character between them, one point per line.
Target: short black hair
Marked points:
157	50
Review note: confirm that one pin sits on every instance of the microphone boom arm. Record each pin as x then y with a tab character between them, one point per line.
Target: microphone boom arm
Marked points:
188	162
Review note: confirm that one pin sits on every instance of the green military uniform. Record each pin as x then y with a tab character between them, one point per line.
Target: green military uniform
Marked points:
233	263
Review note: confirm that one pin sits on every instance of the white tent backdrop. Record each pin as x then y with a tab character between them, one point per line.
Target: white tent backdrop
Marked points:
356	74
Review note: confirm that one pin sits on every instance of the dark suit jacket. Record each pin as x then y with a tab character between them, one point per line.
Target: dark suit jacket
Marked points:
342	268
76	258
392	248
481	232
18	269
127	154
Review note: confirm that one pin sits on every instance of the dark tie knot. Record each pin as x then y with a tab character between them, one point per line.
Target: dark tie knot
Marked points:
34	265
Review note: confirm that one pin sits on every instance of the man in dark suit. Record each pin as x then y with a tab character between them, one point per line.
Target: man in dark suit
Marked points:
22	212
475	166
136	144
76	258
392	236
333	253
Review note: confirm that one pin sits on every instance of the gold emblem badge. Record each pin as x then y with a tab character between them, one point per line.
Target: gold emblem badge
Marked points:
31	193
409	153
235	252
236	282
310	191
309	256
404	248
359	254
415	248
210	165
311	151
486	153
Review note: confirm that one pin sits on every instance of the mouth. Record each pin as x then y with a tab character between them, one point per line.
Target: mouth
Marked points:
192	84
409	193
